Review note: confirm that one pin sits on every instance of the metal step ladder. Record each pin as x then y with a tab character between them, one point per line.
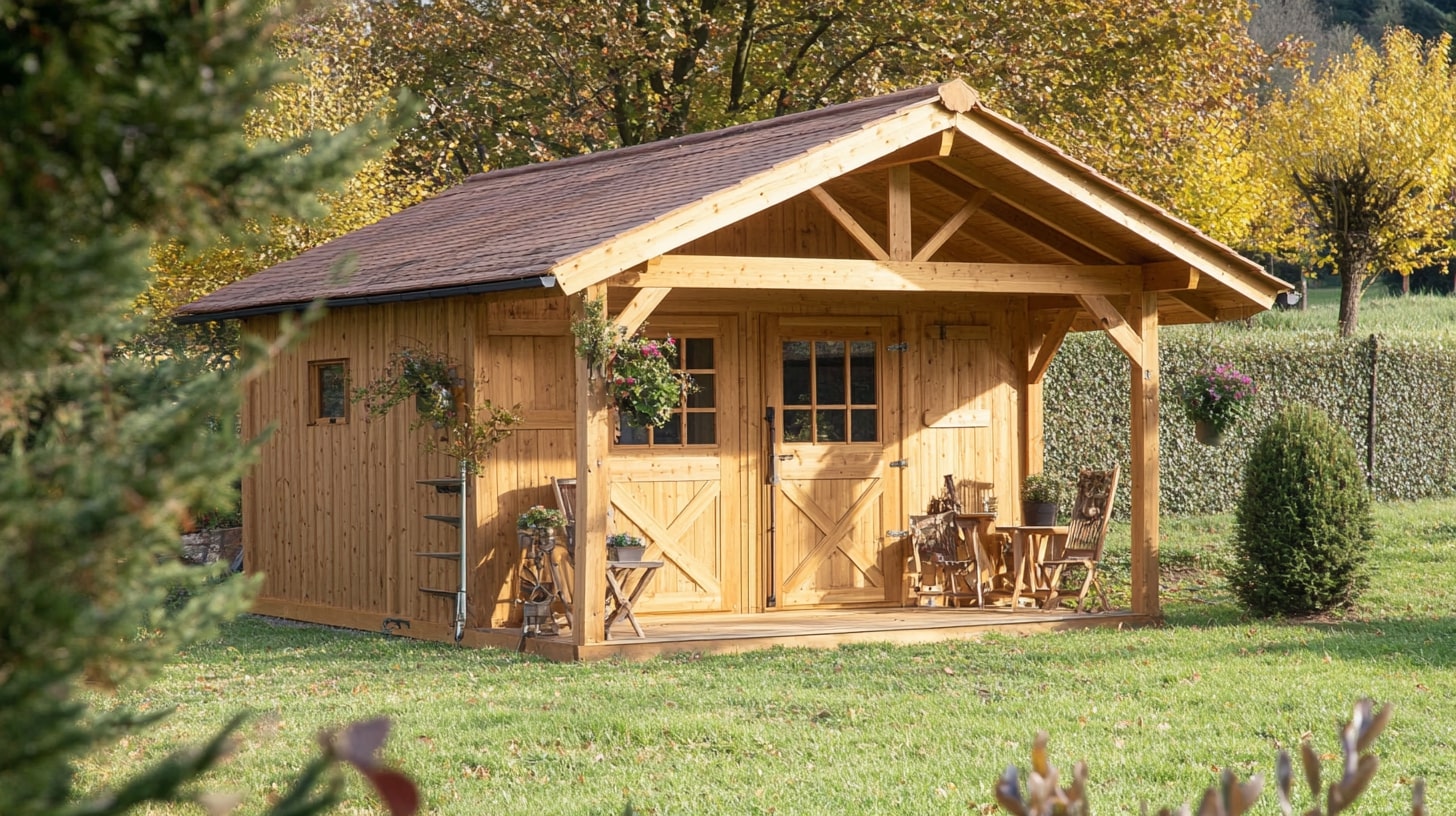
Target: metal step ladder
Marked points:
457	485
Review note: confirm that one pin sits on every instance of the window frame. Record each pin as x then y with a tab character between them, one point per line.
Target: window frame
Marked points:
315	386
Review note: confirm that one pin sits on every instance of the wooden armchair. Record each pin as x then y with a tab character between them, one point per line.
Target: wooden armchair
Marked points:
1081	546
932	554
565	490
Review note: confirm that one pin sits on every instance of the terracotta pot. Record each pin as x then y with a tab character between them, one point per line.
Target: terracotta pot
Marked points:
1207	433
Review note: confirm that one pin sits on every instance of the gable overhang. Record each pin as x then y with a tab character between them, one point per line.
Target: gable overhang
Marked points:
906	130
494	287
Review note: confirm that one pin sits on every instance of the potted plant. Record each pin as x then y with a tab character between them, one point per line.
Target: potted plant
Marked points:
1040	496
538	525
1216	397
642	377
465	433
625	547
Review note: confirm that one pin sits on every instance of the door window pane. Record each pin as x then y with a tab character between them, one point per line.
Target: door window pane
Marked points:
798	382
798	426
704	396
862	386
829	426
695	422
698	353
829	373
702	429
831	391
864	425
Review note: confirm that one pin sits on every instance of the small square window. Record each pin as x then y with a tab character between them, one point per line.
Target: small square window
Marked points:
328	388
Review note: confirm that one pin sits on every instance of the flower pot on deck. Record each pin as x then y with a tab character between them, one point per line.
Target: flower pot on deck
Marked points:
1038	514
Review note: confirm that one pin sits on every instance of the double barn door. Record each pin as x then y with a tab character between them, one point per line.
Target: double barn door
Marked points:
815	536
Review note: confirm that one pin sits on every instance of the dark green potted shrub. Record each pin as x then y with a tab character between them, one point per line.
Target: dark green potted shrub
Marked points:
1040	497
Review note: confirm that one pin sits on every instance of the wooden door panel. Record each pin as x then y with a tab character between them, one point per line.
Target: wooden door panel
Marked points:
834	494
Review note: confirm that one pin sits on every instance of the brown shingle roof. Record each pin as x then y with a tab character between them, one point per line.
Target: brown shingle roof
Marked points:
516	224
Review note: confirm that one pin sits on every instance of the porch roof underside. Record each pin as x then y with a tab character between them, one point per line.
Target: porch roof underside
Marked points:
574	222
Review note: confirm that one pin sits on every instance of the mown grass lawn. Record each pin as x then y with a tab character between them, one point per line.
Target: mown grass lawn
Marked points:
869	729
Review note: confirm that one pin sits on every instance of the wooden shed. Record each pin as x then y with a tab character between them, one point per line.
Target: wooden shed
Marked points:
922	252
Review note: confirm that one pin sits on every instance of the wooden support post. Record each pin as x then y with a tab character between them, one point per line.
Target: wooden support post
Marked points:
898	214
1143	317
593	435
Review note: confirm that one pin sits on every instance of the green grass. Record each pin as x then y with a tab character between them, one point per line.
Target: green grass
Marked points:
867	729
1380	312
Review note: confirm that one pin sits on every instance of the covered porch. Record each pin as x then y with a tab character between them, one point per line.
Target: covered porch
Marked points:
819	628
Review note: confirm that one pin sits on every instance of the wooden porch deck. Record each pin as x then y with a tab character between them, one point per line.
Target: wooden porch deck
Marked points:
821	628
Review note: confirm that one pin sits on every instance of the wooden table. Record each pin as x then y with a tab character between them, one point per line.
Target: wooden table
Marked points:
625	582
975	529
1028	548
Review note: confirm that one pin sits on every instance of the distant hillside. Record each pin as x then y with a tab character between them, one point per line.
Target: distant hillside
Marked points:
1429	18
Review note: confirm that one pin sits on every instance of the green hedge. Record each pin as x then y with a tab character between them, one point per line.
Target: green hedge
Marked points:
1087	409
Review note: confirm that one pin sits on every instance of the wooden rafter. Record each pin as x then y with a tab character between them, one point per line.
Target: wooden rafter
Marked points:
1039	213
832	160
635	313
863	186
1199	303
1073	184
1061	323
1116	326
953	224
845	219
732	272
1029	227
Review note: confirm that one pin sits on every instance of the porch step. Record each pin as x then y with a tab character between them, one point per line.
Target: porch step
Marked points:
447	485
443	593
453	556
453	521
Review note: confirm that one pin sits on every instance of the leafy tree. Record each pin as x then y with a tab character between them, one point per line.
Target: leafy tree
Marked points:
1362	163
333	85
120	121
1121	84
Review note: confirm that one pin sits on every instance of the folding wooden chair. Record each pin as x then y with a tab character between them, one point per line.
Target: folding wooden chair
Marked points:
1081	546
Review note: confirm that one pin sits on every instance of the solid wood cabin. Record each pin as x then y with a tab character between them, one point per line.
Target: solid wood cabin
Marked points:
888	280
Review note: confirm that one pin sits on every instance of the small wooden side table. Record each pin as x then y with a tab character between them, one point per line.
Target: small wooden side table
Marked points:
626	581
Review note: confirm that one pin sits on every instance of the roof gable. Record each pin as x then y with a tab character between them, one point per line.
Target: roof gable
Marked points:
578	221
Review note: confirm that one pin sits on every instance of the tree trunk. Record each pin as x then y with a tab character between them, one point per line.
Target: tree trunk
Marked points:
1303	290
1352	280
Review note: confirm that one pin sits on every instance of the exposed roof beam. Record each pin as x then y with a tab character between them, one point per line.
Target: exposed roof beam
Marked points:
1061	323
852	226
1018	199
1199	303
733	272
1116	326
1038	231
952	225
830	160
1169	276
1060	176
931	147
635	313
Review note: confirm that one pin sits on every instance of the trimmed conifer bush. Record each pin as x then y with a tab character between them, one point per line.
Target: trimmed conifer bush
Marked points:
1303	524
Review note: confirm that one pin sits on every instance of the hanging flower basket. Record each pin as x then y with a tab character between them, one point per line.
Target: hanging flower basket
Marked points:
464	432
642	377
1216	397
1207	433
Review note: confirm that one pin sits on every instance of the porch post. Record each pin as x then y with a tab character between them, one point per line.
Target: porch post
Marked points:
593	437
1143	316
